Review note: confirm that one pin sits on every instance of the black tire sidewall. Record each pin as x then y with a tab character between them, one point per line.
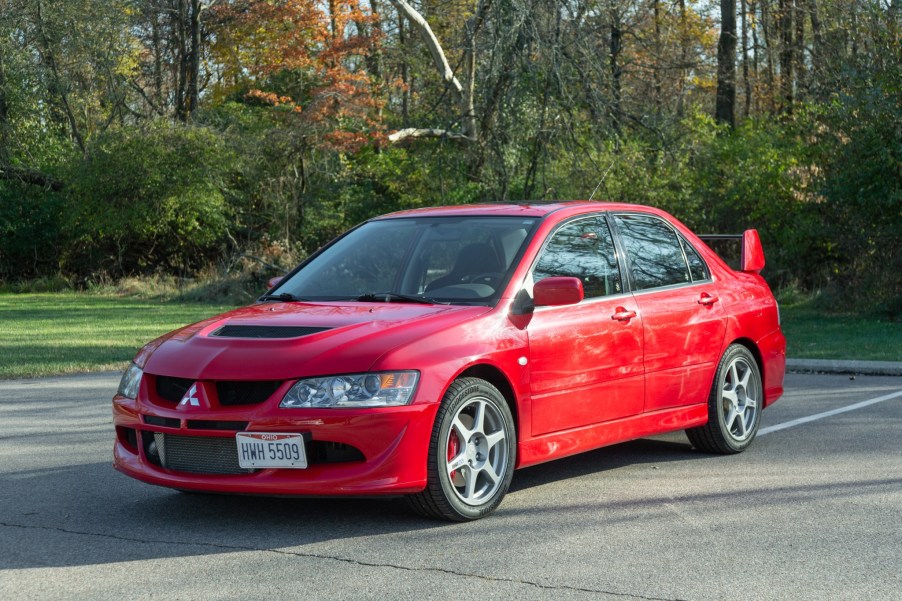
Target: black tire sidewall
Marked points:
734	352
457	397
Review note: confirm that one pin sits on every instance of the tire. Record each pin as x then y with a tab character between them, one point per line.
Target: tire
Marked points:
734	405
472	454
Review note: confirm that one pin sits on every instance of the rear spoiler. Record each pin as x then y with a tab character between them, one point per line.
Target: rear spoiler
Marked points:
751	255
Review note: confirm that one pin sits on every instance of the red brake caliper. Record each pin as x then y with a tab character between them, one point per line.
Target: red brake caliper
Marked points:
453	450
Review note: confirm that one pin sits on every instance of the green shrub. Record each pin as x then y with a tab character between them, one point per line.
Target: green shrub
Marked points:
149	200
30	231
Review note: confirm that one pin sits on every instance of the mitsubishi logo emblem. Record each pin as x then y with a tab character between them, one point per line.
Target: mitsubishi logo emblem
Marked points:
190	397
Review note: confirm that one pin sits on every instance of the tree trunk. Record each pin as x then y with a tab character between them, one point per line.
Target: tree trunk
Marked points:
817	42
157	48
747	105
770	46
57	88
540	140
798	49
180	16
787	78
189	12
373	56
724	111
755	61
684	58
333	26
4	113
657	58
616	46
405	71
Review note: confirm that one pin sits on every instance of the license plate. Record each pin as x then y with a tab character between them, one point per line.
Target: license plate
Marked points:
265	449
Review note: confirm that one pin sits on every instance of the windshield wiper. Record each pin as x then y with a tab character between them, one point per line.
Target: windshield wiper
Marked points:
387	297
284	297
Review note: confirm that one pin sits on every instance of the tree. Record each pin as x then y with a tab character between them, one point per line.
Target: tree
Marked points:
725	108
307	60
462	93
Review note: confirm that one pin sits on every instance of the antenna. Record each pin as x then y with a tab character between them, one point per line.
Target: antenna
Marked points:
591	196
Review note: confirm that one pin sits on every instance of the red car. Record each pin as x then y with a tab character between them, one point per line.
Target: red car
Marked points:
430	353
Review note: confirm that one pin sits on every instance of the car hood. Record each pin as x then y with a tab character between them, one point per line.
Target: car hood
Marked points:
271	341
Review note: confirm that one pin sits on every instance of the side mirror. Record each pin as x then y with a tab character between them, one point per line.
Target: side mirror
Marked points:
273	282
752	252
557	291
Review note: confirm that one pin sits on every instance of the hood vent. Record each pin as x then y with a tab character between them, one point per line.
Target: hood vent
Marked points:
266	331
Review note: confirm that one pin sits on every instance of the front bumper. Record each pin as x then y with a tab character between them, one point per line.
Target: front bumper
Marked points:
388	448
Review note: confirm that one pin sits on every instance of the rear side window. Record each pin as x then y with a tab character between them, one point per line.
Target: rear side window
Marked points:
582	249
654	250
697	267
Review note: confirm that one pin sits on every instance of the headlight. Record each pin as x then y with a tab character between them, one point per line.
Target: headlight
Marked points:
357	390
131	380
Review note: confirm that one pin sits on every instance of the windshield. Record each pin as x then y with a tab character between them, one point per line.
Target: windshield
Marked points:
460	260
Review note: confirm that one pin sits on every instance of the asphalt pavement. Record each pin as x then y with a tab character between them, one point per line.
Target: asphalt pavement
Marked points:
811	511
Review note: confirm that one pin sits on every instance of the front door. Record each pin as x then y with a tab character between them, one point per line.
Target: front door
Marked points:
585	359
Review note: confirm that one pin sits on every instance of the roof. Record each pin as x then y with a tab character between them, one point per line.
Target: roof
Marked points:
525	209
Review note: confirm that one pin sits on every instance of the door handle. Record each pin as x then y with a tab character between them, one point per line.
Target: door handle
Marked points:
622	314
707	299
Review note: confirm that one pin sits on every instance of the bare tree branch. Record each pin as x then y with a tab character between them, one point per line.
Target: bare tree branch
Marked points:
411	133
462	95
432	43
30	176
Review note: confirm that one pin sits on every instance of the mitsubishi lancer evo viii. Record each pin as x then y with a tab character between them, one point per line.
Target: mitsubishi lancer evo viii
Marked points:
431	353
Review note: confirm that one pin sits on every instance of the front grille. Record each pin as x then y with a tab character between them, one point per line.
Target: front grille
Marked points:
238	392
172	389
205	424
267	331
166	422
198	454
246	392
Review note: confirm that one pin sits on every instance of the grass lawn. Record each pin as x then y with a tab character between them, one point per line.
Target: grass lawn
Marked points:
811	334
56	333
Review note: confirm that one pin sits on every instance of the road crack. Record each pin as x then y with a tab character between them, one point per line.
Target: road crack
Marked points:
340	559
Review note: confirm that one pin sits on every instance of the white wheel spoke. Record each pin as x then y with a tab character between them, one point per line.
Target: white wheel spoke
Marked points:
731	396
470	482
741	422
489	471
479	418
734	377
744	382
464	432
494	438
730	418
457	462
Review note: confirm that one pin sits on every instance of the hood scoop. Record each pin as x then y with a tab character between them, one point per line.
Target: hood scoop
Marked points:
237	331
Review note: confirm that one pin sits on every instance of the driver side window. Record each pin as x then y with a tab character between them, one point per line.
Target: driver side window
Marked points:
582	249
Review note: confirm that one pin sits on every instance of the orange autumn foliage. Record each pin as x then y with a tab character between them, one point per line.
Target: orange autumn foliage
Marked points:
315	49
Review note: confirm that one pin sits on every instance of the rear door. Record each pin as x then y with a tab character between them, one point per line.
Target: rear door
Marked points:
681	311
585	359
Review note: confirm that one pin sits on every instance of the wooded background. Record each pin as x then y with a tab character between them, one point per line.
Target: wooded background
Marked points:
169	136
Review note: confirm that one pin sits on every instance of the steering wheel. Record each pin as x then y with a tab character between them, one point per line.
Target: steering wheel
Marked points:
489	278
